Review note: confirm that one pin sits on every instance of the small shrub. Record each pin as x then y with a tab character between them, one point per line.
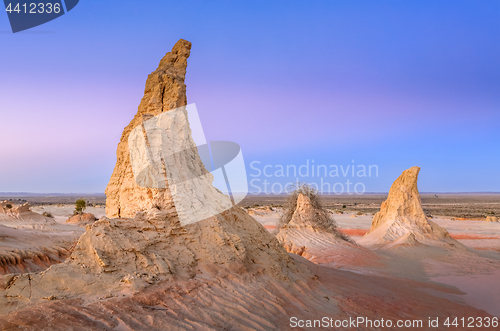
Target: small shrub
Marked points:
80	206
47	214
344	206
8	206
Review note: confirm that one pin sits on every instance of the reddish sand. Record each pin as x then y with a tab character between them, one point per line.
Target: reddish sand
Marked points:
251	302
471	236
346	281
354	232
362	232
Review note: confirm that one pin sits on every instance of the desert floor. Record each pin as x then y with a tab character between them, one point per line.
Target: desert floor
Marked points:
474	274
469	276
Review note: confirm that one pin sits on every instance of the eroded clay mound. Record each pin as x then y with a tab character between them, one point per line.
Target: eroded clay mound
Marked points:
303	237
22	216
401	219
122	255
82	219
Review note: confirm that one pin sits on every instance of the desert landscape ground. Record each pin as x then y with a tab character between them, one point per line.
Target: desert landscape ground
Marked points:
165	250
466	281
457	205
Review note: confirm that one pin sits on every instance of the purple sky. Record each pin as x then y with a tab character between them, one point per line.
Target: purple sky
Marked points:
387	83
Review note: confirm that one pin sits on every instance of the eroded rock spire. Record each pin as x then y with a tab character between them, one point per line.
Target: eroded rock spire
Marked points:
165	90
401	219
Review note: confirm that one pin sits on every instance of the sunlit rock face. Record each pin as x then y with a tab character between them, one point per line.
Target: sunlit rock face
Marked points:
493	219
164	157
401	219
303	236
165	90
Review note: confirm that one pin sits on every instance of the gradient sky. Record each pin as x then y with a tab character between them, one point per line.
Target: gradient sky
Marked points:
387	83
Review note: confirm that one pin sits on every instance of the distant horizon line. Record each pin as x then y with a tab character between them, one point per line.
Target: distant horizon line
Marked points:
27	194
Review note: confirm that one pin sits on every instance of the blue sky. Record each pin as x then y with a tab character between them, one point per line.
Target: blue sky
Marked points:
387	83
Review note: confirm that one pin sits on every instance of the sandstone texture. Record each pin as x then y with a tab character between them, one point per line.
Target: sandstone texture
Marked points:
165	90
147	237
493	219
122	255
244	302
82	219
27	250
164	157
146	266
27	242
401	219
303	237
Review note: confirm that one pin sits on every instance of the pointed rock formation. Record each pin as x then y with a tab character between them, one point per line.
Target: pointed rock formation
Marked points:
401	219
304	214
154	239
306	234
165	90
308	216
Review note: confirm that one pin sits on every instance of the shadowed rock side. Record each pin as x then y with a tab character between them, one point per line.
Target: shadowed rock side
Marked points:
165	90
401	220
302	236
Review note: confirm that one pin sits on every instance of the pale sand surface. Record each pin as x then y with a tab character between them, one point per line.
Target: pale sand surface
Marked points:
357	279
474	275
26	247
62	212
480	291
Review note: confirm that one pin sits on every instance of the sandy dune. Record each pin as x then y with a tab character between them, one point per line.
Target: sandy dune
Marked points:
251	302
351	282
472	274
32	242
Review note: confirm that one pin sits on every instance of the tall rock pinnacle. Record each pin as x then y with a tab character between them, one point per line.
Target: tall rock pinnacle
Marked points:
165	90
166	219
401	219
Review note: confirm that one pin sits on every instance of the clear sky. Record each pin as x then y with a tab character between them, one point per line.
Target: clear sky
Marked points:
386	83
